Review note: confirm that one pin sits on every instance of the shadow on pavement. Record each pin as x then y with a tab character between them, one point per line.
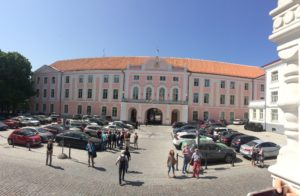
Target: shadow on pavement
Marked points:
99	168
135	152
135	172
208	177
221	168
57	167
182	177
134	183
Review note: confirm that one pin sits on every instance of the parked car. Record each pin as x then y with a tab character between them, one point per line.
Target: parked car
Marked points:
217	152
240	140
122	125
24	137
45	135
182	138
92	130
13	124
183	128
55	129
74	123
257	127
28	121
229	137
43	119
238	122
3	126
270	149
76	139
178	124
218	130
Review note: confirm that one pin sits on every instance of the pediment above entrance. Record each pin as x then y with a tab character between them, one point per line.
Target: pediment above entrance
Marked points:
45	69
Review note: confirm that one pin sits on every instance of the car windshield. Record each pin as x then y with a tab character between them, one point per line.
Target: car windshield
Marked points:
84	136
41	130
29	133
222	146
252	143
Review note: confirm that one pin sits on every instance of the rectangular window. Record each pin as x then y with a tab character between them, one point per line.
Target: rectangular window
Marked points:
89	110
206	83
274	97
36	107
45	80
89	94
79	93
246	87
114	112
38	80
66	93
222	84
261	114
195	115
222	116
115	94
104	95
254	113
79	109
196	81
162	78
116	79
103	111
136	77
67	79
149	77
206	98
222	99
44	107
66	109
232	99
195	98
51	108
45	93
274	76
81	79
52	93
175	79
205	115
231	116
232	85
90	79
106	79
37	92
246	100
274	115
262	88
53	80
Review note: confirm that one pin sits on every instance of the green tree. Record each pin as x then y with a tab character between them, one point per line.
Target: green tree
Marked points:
16	86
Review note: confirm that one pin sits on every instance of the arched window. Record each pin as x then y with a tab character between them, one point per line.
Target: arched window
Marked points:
135	94
161	94
148	93
175	94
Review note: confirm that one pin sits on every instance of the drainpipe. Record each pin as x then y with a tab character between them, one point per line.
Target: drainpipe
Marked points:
60	92
123	96
188	94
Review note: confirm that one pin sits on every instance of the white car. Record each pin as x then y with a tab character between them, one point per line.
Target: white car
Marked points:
189	138
270	149
238	122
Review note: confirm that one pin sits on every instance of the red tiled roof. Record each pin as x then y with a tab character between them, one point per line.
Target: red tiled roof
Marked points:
193	65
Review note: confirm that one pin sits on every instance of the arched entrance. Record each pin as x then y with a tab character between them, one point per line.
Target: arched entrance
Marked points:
174	116
132	115
154	116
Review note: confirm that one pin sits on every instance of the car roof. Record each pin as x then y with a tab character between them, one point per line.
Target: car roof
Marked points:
186	133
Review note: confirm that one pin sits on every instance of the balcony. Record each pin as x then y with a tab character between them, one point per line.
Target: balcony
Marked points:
154	101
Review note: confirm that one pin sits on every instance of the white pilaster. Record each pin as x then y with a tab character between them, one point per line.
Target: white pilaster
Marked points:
184	114
123	115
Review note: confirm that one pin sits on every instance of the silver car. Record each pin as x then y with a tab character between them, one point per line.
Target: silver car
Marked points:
270	149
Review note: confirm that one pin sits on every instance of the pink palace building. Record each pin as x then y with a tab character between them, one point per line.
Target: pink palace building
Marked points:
153	89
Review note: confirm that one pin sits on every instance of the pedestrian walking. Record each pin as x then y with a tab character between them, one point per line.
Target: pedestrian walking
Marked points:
122	161
104	140
196	159
91	152
114	139
171	161
127	139
49	152
186	158
135	140
109	139
127	154
253	156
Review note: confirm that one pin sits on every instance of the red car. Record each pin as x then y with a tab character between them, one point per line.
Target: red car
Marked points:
24	137
13	124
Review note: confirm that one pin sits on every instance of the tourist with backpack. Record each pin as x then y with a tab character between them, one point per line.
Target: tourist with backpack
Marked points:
91	152
122	161
127	154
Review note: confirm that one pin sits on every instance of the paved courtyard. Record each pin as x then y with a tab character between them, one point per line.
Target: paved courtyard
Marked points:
24	172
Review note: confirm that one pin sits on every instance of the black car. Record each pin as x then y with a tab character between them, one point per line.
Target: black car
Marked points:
240	140
55	129
76	140
229	137
3	126
178	124
216	152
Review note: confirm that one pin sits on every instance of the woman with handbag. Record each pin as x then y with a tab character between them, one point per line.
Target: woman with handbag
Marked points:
91	152
171	162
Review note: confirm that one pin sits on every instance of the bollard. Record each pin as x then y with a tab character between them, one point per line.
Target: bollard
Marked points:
69	151
232	162
177	162
13	143
205	160
29	147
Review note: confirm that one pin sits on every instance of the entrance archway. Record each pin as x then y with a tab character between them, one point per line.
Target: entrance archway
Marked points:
174	116
132	115
154	116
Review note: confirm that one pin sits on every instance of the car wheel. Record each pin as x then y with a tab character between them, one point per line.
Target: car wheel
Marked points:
228	158
61	143
9	141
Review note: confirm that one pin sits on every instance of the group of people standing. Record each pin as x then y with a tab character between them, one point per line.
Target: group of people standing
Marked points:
190	157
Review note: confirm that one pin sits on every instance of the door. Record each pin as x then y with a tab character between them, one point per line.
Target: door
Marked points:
216	152
133	115
174	117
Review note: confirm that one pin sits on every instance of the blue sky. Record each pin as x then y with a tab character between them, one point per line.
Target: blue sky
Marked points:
45	31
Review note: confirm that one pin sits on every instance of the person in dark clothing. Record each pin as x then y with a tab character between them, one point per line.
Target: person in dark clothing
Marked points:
114	139
49	152
109	139
127	154
122	161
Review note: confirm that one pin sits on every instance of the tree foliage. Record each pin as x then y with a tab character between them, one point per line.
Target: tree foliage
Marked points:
16	86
